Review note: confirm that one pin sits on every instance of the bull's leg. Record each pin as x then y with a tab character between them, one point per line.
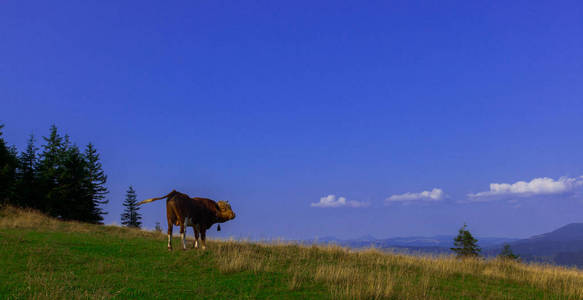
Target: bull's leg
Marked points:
183	236
170	236
203	238
195	236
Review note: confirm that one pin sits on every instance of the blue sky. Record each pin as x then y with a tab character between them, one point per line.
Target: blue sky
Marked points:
405	112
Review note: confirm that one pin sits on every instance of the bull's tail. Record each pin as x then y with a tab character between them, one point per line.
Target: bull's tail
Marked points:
155	199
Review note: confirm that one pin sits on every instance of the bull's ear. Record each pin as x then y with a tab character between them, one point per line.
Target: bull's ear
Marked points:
219	227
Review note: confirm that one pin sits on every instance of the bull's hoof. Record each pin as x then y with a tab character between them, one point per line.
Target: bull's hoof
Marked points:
169	248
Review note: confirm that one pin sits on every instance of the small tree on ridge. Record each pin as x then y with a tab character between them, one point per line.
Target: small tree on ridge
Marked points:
508	254
131	216
465	245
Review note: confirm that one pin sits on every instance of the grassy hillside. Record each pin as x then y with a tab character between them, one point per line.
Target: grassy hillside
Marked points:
43	258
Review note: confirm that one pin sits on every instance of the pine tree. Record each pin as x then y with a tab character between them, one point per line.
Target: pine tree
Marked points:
8	166
97	180
73	189
131	216
465	245
50	164
508	254
27	190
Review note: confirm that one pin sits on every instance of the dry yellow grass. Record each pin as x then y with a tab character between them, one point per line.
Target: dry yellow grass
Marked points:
375	274
12	217
365	274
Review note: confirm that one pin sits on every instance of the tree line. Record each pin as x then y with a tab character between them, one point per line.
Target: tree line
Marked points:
59	179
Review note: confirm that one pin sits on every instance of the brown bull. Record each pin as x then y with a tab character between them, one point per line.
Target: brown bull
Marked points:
200	213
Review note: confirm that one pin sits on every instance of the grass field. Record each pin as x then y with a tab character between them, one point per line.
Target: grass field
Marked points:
42	258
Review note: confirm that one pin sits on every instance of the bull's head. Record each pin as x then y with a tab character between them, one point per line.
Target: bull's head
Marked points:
225	211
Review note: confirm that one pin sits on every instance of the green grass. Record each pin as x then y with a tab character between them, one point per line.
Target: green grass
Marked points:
42	258
99	265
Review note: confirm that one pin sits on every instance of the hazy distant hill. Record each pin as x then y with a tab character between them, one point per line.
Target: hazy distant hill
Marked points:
563	246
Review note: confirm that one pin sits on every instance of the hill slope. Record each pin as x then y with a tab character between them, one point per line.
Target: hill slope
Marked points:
562	246
48	259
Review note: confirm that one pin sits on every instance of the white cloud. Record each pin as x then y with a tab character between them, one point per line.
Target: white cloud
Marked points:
427	196
535	187
331	201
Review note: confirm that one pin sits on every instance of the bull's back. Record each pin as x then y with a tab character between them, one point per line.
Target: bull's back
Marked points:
177	208
181	206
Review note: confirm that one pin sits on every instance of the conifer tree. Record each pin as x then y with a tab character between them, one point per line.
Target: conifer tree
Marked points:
8	165
50	164
465	245
27	190
73	194
507	253
97	180
131	216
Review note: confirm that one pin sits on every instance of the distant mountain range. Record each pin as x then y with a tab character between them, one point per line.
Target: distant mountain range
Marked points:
563	246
